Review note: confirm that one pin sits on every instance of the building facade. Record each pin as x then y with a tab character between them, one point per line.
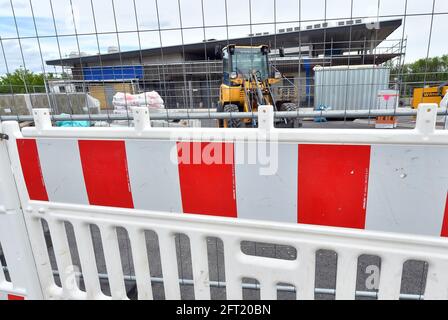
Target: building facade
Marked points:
189	76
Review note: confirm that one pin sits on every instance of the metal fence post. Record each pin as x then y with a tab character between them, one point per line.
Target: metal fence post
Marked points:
14	237
426	118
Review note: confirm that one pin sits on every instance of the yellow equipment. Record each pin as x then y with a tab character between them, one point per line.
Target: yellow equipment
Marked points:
429	95
247	80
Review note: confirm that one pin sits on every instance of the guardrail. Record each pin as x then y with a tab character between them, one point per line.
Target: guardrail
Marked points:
212	114
370	202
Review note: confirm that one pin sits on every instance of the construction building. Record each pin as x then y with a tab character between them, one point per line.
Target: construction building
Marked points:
189	75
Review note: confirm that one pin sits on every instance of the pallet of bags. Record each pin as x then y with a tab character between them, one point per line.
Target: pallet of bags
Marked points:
123	103
150	99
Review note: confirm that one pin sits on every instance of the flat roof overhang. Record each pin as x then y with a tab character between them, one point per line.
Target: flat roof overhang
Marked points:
336	37
350	60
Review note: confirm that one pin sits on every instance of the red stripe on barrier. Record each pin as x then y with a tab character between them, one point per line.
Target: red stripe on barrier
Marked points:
332	185
105	171
207	178
15	297
444	232
32	173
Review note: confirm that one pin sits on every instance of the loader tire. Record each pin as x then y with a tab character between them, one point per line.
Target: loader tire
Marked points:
220	108
233	123
291	122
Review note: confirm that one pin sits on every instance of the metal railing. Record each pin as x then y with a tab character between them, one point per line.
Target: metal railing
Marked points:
178	54
212	114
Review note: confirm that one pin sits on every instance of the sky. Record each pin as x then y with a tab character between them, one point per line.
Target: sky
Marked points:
138	25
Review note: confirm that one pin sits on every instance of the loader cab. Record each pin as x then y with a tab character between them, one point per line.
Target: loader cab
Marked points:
240	62
247	80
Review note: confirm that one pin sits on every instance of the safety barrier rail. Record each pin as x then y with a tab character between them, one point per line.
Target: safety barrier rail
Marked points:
21	278
372	192
174	114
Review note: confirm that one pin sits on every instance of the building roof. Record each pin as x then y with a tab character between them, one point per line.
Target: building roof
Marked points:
337	36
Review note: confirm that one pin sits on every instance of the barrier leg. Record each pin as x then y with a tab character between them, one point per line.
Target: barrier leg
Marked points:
14	240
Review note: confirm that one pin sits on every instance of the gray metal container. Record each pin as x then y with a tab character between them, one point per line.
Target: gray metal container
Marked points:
349	87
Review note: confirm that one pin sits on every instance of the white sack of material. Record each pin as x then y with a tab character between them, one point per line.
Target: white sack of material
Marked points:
124	99
150	100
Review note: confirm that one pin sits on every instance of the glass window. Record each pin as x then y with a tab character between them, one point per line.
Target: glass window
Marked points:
248	60
225	60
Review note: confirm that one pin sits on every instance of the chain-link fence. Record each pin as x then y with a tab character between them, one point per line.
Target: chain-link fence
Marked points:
90	61
346	59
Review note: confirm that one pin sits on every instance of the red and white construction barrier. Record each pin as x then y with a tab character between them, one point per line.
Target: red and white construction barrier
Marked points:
382	187
10	296
163	180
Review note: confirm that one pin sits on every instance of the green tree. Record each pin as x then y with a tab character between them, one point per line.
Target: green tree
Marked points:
21	81
431	71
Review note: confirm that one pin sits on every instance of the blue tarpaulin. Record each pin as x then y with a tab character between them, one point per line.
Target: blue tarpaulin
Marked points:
72	123
112	73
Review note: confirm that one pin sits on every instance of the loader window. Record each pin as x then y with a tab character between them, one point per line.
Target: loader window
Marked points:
247	60
226	67
225	61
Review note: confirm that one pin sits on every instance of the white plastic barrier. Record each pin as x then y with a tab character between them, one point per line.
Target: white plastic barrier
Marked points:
22	282
139	179
376	180
393	250
444	102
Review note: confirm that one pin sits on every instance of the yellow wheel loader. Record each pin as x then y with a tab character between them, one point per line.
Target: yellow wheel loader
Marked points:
247	80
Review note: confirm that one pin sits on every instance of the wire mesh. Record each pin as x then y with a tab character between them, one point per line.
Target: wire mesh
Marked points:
74	56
